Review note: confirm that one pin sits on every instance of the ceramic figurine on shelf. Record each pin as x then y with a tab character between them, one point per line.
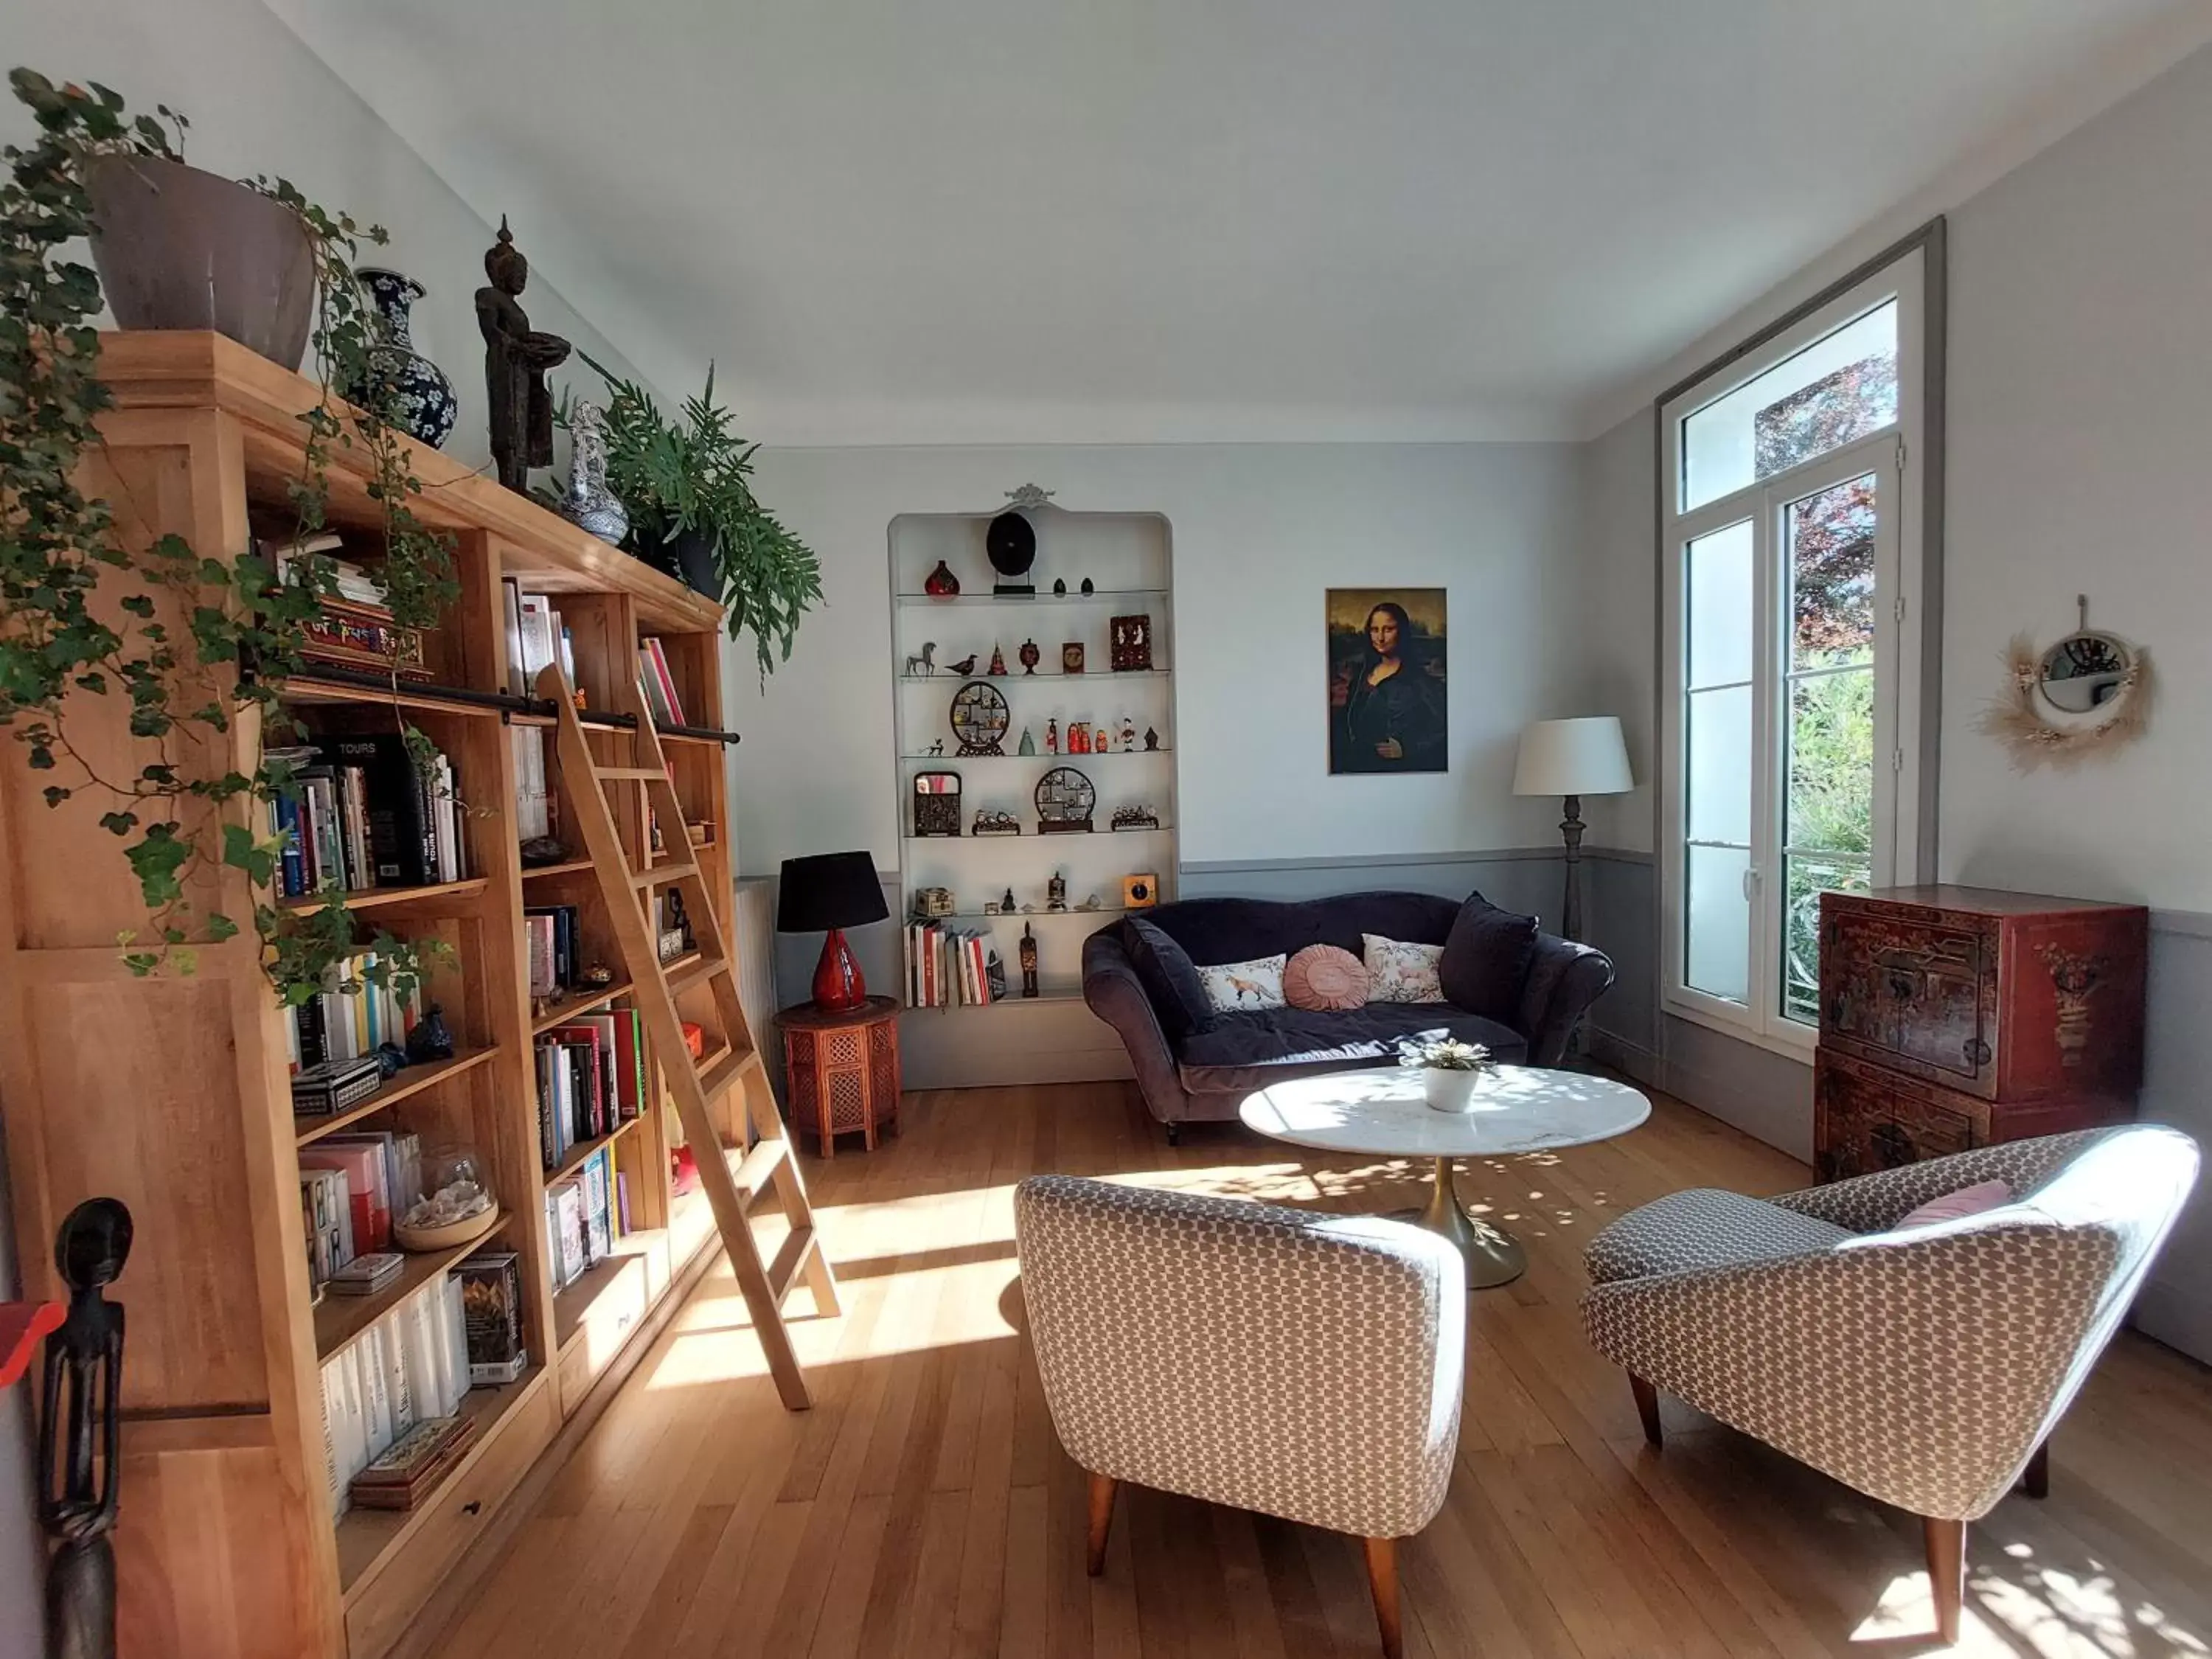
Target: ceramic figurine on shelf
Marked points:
1055	892
936	748
941	583
1029	960
1029	743
1029	656
1078	737
923	661
1128	734
516	359
998	660
1060	585
1152	738
80	1432
432	1038
1007	904
1052	736
965	666
1087	588
589	504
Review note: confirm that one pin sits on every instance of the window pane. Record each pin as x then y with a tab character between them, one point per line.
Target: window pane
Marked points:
1719	742
1833	393
1717	948
1808	876
1831	786
1720	617
1831	541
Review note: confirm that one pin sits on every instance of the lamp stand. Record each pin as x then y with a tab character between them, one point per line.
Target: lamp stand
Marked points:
838	986
1571	829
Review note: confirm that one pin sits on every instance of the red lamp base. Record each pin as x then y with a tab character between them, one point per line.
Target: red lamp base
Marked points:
838	986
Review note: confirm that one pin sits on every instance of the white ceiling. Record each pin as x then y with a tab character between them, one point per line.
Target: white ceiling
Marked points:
1009	221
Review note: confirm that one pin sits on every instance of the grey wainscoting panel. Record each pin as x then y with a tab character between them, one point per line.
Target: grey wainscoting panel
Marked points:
2176	1304
1619	916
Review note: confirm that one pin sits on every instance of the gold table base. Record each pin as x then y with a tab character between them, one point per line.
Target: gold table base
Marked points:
1493	1256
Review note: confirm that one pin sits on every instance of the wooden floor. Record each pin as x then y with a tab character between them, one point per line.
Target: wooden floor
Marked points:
923	1508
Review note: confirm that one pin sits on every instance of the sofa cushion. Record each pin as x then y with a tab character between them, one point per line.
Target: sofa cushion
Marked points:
1399	970
1171	984
1234	988
1486	958
1322	979
1245	1052
1705	1227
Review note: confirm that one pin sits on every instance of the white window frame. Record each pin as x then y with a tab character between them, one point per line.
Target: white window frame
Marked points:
1895	453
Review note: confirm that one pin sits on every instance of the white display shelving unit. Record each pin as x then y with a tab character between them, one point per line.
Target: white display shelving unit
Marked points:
1127	558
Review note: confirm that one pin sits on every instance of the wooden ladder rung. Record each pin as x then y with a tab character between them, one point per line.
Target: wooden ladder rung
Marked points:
662	872
705	968
757	1165
629	775
790	1261
725	1071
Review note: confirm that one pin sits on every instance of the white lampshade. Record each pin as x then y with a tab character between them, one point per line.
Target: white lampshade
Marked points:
1573	757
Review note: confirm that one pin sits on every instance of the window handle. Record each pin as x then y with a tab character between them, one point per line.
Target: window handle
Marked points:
1750	884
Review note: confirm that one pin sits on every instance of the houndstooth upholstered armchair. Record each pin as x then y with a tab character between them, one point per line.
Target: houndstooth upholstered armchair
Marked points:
1923	1366
1304	1366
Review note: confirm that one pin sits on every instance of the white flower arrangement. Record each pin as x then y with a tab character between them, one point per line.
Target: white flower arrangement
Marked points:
1445	1054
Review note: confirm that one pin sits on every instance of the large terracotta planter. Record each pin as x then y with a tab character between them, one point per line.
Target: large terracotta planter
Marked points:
181	248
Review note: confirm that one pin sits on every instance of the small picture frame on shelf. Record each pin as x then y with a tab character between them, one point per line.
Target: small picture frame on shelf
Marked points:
1071	657
1129	645
1140	892
936	803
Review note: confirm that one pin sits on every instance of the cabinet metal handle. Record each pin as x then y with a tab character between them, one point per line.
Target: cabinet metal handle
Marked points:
474	1506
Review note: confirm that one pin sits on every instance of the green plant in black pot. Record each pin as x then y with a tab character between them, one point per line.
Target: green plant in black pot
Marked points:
692	512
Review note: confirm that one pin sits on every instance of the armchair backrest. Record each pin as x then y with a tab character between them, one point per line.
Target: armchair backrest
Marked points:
1301	1365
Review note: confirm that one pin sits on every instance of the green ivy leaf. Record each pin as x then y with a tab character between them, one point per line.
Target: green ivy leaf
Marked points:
118	824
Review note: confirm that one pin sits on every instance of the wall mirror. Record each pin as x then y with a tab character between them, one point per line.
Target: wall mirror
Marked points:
2087	692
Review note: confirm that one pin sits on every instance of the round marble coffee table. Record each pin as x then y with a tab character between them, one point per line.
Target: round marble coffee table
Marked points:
1381	1112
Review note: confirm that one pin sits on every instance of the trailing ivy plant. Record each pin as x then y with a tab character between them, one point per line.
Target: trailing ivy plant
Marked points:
78	608
697	476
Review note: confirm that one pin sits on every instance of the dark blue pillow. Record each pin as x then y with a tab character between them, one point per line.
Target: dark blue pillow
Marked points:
1171	982
1485	960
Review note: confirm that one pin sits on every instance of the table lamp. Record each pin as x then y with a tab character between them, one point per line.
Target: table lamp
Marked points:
1573	758
829	892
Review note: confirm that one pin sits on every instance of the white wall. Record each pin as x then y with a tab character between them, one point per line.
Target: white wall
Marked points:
260	101
1617	606
1258	533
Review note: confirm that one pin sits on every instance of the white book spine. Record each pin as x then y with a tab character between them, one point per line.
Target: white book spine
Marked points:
456	1336
375	1398
354	1450
331	1474
391	1339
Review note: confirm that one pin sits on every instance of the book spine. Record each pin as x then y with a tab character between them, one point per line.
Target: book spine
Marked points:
457	1335
397	1383
376	1398
334	1481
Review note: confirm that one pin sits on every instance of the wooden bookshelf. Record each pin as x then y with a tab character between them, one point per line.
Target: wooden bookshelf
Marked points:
172	1092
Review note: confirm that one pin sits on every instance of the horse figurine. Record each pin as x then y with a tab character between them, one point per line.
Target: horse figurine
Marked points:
923	661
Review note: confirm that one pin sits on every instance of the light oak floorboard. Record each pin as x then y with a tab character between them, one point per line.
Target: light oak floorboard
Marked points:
924	1508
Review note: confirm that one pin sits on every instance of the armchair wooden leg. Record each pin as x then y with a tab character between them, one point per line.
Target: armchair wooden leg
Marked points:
1947	1572
1102	1488
2035	1478
1382	1581
1647	1407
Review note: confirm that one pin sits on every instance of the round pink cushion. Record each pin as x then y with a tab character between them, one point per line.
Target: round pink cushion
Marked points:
1323	978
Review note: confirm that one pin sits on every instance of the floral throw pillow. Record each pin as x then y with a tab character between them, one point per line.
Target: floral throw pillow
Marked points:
1244	988
1398	971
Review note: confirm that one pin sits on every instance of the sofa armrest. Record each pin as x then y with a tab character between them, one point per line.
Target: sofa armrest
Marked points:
1563	979
1117	995
1973	1334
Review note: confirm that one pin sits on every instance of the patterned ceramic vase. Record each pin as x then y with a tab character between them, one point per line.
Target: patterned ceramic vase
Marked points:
589	503
423	396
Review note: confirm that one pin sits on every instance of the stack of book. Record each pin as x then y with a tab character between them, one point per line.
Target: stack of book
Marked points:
584	1216
591	1079
350	1187
951	967
410	1366
551	933
658	684
355	628
363	812
352	1017
534	808
536	636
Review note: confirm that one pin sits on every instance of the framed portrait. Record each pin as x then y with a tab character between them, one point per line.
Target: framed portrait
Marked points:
1386	680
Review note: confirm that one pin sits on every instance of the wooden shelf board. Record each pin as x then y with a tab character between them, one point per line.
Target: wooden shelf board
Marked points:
1031	601
1031	835
309	1127
580	1154
382	898
575	1006
1031	915
572	867
945	675
340	1320
366	1538
1046	993
341	697
573	1306
1055	760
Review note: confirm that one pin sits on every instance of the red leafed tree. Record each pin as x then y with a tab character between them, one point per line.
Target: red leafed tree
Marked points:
1833	538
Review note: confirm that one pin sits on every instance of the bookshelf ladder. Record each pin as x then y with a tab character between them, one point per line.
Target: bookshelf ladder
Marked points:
627	888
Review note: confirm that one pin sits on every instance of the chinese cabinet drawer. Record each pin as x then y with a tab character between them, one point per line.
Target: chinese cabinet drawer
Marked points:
1867	1119
1908	988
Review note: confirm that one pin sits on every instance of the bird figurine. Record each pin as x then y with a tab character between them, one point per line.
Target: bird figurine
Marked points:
965	665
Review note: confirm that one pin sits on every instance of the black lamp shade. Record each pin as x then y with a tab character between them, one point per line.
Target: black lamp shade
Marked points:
829	889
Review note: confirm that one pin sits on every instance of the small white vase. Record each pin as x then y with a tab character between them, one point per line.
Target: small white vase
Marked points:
1449	1092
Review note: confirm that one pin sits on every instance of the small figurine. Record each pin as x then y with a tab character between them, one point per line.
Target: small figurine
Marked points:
1027	744
590	504
1029	656
1078	737
1052	736
1071	657
1087	587
990	907
432	1038
1092	904
599	976
998	660
1007	904
923	661
1128	734
936	748
1029	909
1029	960
1152	738
941	583
1055	892
1060	585
965	665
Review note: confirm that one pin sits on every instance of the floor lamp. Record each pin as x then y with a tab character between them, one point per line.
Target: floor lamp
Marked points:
1572	759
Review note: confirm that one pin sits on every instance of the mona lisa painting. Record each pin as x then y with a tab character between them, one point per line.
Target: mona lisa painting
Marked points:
1386	680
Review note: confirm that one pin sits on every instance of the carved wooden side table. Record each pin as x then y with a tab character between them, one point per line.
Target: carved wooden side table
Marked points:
842	1071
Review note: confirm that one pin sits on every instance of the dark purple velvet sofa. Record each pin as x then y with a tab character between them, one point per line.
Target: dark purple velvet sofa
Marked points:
1206	1074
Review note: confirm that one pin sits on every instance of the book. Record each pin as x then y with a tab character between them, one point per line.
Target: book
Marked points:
368	1273
538	636
368	1191
518	674
669	705
414	1465
564	1231
598	1205
491	1294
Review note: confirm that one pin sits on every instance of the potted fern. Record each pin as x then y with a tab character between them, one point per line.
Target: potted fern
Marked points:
687	485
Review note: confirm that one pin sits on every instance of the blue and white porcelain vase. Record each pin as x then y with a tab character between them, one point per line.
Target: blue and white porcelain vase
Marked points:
422	398
589	503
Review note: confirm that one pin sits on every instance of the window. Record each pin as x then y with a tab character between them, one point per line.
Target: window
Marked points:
1791	548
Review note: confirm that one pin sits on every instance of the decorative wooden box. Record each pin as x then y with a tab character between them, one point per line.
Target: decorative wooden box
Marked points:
1955	1016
